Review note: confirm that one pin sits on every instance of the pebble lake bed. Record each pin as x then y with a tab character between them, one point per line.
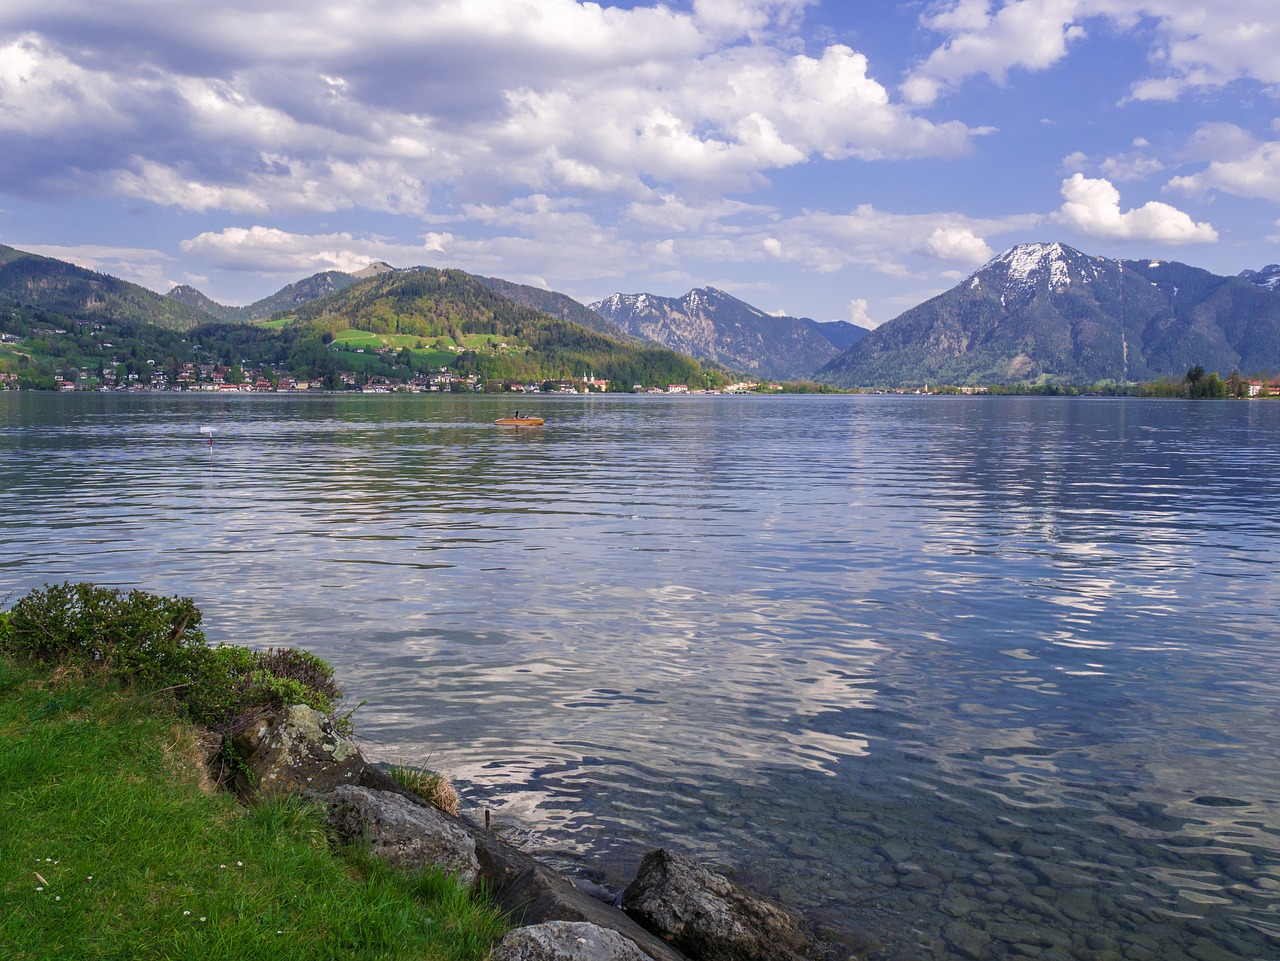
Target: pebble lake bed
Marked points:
980	677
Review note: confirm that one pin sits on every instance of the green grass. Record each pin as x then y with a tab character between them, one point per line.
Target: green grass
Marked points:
352	338
362	338
110	848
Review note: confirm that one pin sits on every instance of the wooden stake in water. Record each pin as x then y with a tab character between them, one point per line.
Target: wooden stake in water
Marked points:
209	431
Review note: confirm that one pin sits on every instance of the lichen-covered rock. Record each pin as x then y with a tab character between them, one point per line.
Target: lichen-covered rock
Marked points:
295	750
708	917
566	941
407	835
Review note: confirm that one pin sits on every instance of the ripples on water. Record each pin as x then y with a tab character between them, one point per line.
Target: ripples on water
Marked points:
982	676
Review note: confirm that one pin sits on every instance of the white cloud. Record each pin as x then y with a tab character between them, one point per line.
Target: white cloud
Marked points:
1092	207
1206	47
858	313
1031	34
268	250
733	18
1130	166
293	107
1237	163
1194	46
864	237
669	211
1219	141
957	245
1256	175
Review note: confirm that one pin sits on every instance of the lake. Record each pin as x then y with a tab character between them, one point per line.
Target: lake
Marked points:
975	677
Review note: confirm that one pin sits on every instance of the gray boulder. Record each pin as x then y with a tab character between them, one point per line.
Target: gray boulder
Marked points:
409	836
708	917
566	941
295	750
299	751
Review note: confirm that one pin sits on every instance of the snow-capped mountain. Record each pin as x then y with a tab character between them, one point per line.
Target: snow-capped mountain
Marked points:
1268	276
1049	312
709	324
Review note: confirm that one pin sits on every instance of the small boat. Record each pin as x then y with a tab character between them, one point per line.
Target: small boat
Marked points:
519	421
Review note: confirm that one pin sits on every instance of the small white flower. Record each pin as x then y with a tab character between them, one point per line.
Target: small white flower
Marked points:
57	897
185	913
202	919
222	867
89	878
239	864
40	889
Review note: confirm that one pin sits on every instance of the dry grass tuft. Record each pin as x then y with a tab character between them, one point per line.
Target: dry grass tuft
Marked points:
432	786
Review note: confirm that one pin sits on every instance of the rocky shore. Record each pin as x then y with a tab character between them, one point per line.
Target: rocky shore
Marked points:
674	910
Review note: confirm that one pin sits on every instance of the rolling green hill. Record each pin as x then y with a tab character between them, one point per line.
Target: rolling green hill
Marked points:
449	308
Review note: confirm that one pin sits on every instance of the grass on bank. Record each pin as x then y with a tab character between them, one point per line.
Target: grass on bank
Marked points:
113	845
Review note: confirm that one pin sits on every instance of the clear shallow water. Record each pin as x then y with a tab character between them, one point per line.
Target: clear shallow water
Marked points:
980	677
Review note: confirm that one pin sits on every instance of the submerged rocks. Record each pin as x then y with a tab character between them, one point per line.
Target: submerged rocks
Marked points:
708	917
682	909
408	835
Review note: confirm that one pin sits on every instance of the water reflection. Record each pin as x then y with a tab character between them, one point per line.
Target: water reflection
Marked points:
1002	667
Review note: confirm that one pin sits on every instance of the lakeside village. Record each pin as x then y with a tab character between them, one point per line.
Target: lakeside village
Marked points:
247	378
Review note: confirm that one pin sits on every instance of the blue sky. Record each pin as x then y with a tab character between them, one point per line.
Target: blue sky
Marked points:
836	159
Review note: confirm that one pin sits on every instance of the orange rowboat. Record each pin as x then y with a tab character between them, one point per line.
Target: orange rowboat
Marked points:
519	421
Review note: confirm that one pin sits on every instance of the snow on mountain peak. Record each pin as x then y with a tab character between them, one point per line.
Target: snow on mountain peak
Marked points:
1025	261
1024	266
1268	277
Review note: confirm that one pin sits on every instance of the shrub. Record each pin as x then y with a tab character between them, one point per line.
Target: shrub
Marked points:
155	643
291	676
140	638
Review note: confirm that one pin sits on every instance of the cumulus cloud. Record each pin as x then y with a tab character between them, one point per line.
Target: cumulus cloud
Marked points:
858	313
1030	34
958	245
1257	175
293	107
1237	164
1208	47
1195	47
1092	207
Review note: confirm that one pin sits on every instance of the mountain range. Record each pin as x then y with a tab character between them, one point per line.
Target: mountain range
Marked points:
1035	313
709	324
1049	313
293	295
